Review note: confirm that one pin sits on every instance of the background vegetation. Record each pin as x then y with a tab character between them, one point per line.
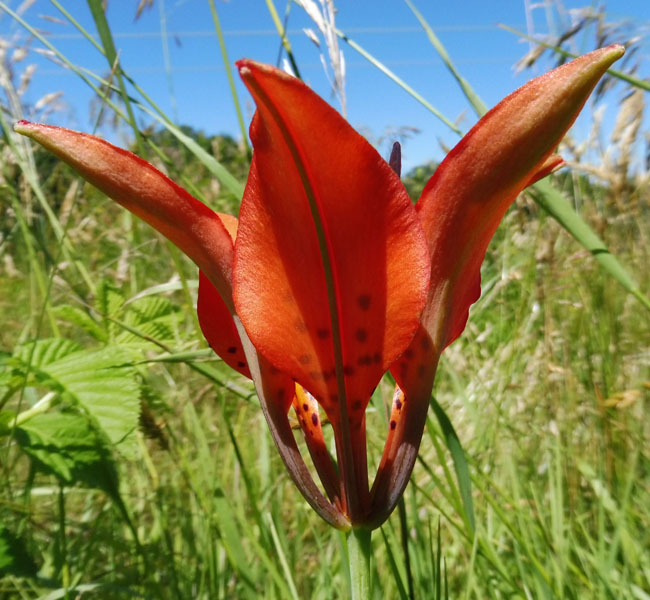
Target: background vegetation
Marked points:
133	463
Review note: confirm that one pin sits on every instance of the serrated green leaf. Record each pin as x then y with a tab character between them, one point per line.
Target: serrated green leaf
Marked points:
109	303
151	308
68	446
45	351
103	383
14	557
152	317
79	317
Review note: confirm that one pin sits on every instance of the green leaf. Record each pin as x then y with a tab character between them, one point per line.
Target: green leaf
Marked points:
45	351
80	318
14	557
460	462
108	303
150	316
104	384
68	446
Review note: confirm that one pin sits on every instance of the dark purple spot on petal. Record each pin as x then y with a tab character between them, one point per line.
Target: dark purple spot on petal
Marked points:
357	404
393	424
314	419
348	370
323	333
364	301
304	359
305	407
241	364
408	354
398	404
334	398
376	357
422	369
364	360
273	370
232	350
425	343
361	335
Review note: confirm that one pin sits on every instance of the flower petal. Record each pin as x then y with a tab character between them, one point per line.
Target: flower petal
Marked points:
276	391
218	326
146	192
415	371
309	419
215	319
461	207
331	266
509	148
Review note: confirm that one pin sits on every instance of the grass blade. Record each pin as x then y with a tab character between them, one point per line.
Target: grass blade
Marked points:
635	81
281	556
405	86
283	36
477	104
460	462
106	37
231	80
397	576
552	201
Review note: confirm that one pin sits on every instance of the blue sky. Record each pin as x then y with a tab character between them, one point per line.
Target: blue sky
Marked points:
184	74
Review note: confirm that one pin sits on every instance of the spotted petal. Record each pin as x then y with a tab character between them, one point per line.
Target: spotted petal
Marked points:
460	208
331	267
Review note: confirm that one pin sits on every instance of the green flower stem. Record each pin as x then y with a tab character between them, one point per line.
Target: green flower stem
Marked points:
359	551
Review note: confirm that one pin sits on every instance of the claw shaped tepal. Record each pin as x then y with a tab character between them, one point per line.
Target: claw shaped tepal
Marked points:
331	277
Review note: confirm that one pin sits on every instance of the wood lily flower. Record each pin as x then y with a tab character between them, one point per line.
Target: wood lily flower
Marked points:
331	277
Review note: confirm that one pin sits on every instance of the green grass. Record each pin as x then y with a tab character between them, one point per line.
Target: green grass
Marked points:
547	390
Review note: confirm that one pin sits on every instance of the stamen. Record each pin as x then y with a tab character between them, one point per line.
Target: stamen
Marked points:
395	160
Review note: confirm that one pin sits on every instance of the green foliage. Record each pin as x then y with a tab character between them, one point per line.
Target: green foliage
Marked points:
14	557
100	383
132	468
67	446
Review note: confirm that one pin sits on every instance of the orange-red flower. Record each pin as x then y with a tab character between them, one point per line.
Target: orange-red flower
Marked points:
331	277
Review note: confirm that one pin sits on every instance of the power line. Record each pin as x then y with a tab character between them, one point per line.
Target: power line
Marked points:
274	33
